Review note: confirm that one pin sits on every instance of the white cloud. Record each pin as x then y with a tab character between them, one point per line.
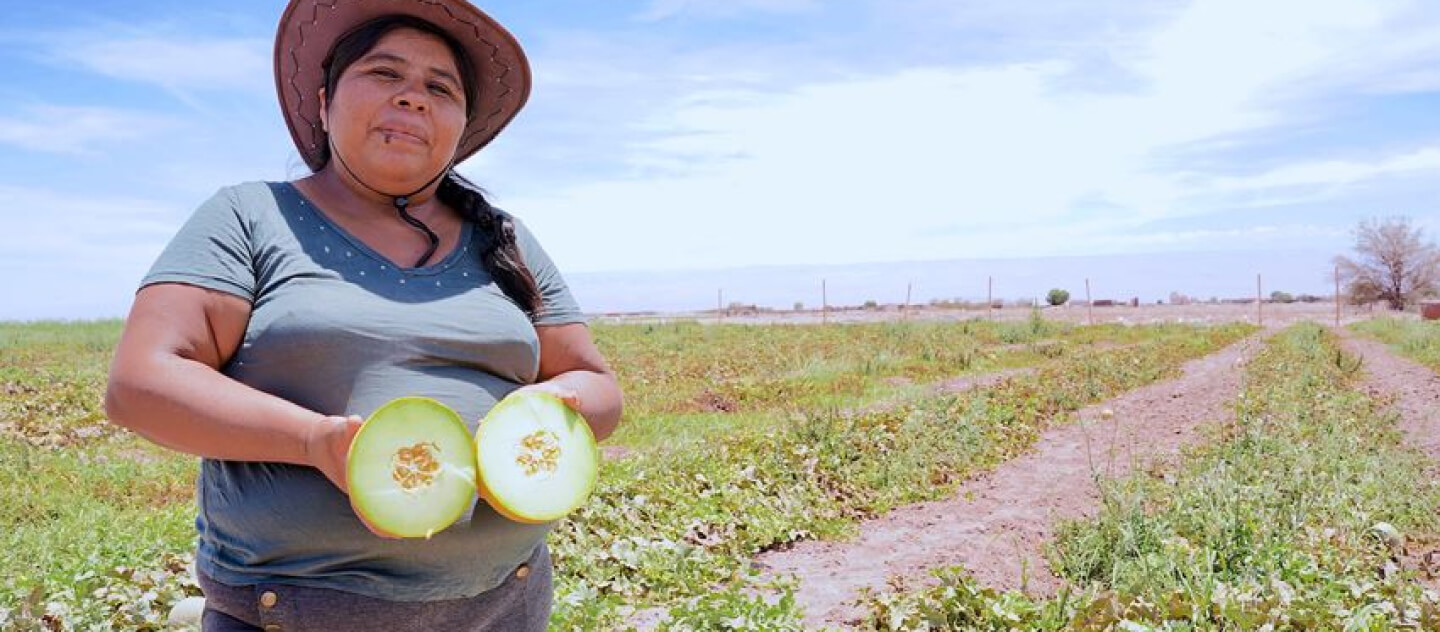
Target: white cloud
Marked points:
665	9
1332	173
95	228
1399	54
76	130
923	163
91	250
1085	127
179	65
1229	238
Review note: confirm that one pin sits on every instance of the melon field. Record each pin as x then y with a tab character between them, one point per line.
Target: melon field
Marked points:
968	475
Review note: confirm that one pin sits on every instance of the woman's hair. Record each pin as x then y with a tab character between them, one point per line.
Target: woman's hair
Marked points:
500	254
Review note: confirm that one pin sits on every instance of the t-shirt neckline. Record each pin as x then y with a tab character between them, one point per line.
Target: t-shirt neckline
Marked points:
461	247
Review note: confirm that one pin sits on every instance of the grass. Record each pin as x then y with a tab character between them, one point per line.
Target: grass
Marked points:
675	526
52	381
1281	523
1418	340
74	522
686	382
96	524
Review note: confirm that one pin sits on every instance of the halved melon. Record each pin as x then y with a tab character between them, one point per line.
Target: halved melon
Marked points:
411	468
536	458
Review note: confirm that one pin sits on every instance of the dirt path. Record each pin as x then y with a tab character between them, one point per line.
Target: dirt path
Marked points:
952	385
996	524
985	380
650	618
1414	387
1414	392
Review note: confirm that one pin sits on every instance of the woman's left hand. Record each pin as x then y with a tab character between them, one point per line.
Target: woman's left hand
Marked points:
572	369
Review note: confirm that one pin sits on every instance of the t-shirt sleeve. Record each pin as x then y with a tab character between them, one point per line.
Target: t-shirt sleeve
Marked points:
212	250
559	304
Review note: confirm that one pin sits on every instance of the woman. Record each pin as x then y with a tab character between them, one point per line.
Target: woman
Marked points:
283	312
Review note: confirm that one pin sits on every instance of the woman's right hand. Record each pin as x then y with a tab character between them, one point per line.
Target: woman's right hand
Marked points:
327	446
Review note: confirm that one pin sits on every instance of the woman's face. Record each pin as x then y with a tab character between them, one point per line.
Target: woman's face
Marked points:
397	112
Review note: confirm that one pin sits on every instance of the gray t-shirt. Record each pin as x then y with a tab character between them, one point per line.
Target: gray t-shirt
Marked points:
340	330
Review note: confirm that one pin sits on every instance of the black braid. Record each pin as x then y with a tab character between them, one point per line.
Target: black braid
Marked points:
501	257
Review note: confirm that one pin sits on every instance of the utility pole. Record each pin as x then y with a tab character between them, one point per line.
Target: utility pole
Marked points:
990	298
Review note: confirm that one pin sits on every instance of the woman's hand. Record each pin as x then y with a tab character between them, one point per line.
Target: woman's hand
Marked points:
565	393
572	368
327	446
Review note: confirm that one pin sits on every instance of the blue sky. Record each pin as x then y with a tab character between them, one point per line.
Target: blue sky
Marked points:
669	135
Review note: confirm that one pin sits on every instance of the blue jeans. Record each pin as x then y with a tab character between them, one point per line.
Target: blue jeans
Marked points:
521	604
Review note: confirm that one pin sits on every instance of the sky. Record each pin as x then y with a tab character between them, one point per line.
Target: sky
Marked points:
676	139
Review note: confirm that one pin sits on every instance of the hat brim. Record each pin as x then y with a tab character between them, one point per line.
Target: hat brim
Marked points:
309	28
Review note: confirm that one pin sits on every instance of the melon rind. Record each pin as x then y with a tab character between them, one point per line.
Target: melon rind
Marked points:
501	481
375	495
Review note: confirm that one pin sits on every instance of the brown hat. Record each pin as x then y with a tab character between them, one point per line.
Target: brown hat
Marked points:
309	28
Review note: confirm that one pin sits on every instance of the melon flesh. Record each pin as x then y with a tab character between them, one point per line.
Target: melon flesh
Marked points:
536	458
411	468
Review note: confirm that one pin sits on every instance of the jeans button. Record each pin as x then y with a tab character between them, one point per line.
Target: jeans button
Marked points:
523	571
269	599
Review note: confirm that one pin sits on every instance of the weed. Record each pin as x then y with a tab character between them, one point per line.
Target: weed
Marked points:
1419	340
1271	526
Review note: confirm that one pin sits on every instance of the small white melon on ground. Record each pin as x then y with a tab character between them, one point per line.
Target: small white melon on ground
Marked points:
186	613
411	468
536	458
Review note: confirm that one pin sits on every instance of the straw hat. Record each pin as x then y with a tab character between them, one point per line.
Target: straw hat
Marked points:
309	28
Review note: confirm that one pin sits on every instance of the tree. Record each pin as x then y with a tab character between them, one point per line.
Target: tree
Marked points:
1393	263
1057	297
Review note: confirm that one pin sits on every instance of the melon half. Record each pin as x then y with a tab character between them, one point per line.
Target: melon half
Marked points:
536	458
411	468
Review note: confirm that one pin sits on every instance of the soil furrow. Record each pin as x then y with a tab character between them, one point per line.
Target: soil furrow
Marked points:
650	618
1413	386
997	524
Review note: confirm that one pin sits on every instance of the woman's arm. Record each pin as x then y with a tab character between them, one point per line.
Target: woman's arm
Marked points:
166	386
572	368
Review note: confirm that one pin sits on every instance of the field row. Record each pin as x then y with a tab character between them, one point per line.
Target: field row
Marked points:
741	439
682	524
1295	516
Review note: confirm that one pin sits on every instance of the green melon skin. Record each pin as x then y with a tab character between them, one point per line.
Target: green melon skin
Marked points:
544	495
380	500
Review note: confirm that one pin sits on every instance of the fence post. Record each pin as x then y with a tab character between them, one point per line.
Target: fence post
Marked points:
1337	296
1259	303
824	304
1089	305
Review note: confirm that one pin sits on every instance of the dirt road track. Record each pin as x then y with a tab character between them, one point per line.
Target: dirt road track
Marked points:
1414	387
997	524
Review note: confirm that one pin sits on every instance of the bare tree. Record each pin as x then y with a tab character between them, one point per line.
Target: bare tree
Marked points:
1393	263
